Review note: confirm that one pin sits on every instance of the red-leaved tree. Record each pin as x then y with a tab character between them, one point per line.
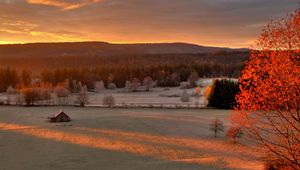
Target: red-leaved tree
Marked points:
269	103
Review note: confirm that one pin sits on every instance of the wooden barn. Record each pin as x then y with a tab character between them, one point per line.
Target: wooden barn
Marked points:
60	117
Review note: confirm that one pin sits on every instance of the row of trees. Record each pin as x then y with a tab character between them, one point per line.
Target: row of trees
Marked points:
168	75
97	79
46	94
208	63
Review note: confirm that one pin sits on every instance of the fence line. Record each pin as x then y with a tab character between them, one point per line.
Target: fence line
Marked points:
152	105
52	103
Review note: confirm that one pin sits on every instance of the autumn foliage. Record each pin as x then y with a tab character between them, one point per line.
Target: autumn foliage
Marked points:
33	93
269	103
234	132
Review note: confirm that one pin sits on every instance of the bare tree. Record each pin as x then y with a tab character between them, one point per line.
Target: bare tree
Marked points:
135	84
62	94
46	95
127	85
79	87
82	97
216	126
31	95
109	100
10	91
148	83
193	78
74	86
19	98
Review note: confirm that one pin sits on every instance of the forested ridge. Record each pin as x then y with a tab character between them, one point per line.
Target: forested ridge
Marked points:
167	69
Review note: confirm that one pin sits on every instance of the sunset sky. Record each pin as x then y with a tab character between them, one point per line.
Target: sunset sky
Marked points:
231	23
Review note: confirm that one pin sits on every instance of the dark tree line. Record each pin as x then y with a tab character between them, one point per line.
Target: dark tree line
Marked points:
8	77
167	70
165	75
38	63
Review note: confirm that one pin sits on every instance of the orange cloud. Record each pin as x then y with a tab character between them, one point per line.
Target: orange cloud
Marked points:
63	5
21	28
55	36
11	31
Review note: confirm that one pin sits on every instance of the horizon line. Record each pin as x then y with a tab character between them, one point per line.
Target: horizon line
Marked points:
120	43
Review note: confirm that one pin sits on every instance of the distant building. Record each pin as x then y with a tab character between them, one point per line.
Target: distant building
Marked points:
60	117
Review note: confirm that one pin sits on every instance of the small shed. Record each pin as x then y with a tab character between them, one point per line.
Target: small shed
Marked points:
60	117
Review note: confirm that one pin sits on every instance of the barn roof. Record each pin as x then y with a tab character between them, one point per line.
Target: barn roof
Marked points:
57	113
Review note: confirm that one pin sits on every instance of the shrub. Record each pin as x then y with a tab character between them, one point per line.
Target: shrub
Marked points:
99	85
171	82
111	86
185	97
223	94
234	132
185	85
109	100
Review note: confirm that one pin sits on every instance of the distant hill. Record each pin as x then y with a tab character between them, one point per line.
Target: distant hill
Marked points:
103	49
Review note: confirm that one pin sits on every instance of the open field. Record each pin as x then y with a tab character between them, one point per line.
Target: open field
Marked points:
165	96
155	97
117	139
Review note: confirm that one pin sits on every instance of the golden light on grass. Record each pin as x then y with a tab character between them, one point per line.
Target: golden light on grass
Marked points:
212	145
158	147
234	156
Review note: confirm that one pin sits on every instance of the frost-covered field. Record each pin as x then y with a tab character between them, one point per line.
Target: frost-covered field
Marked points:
155	96
117	139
